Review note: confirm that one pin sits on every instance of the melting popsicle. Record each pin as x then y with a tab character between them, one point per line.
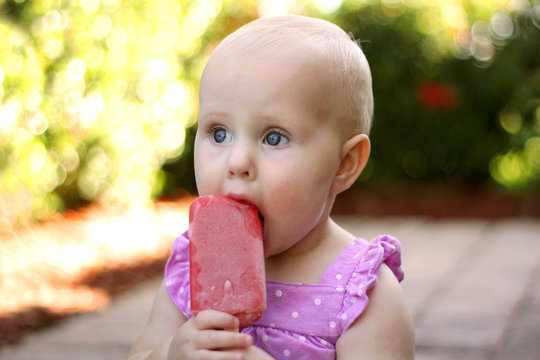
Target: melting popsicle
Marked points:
226	258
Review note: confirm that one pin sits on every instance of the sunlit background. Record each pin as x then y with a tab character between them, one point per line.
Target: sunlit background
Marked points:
98	103
97	96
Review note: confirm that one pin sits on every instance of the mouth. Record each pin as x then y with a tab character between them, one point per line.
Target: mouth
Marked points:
247	200
261	218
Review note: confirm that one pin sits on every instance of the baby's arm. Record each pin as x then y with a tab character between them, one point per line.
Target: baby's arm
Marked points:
168	335
385	330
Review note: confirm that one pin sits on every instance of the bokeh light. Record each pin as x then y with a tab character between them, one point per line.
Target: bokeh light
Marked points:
94	99
99	97
96	95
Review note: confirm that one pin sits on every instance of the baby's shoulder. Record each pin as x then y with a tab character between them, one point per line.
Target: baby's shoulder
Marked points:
384	311
385	316
362	259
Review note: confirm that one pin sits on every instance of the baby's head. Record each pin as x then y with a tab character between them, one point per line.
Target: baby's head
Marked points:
285	106
350	91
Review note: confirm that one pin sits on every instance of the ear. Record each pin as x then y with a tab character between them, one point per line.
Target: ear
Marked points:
354	157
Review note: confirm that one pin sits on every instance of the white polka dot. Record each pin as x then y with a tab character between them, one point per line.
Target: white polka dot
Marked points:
279	293
302	338
265	338
339	276
317	301
343	316
181	291
294	314
353	300
323	342
332	324
272	325
286	352
357	255
178	257
340	288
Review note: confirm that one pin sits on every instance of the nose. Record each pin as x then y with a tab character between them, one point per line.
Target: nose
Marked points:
241	162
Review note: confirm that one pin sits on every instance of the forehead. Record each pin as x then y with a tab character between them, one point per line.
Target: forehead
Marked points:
263	81
286	66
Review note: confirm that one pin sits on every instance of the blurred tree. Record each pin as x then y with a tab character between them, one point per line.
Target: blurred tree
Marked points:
94	99
453	88
98	98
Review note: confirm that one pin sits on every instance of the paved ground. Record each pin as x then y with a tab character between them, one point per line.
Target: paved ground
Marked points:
473	287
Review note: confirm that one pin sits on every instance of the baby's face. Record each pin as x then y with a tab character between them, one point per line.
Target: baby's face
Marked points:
267	135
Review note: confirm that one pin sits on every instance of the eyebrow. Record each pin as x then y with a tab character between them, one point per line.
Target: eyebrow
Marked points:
269	118
214	114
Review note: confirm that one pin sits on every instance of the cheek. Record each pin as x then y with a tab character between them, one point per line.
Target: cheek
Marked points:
206	168
199	168
294	199
310	175
313	174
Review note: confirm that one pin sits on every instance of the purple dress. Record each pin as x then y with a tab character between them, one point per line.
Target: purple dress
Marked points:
304	321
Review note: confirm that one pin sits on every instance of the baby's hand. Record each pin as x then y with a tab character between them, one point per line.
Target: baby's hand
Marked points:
204	337
254	353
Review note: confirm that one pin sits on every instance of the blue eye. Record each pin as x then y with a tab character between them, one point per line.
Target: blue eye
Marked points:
274	138
220	135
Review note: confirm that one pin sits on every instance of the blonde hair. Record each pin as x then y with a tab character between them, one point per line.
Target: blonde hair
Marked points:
347	63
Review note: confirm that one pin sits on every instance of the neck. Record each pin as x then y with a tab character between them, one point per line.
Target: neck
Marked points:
306	261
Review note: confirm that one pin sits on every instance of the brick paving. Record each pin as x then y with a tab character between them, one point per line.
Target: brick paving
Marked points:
473	287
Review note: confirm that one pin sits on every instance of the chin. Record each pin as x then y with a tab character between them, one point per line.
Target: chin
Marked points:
268	252
272	251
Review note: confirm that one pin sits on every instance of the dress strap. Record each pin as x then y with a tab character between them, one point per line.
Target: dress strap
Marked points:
356	270
177	274
341	269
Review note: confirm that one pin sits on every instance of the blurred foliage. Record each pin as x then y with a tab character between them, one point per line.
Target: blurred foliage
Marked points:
457	91
98	98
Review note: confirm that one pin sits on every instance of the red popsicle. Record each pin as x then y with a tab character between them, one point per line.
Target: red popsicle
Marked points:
226	258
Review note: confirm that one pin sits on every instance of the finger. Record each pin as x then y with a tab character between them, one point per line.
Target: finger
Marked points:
219	339
211	319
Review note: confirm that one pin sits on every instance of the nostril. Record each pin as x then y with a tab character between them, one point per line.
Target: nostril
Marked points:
242	167
241	173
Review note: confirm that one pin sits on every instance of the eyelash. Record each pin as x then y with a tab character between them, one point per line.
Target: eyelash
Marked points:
214	130
281	133
275	131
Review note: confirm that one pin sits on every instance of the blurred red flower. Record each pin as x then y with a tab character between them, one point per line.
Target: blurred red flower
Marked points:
436	96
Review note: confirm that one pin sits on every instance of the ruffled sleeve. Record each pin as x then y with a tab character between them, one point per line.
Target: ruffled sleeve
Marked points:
177	274
368	258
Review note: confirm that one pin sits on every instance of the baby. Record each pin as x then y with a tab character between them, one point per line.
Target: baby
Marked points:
285	111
